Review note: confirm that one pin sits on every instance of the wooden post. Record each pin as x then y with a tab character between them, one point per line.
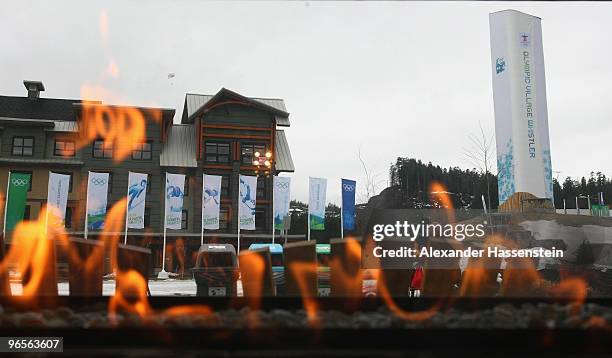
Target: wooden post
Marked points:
301	269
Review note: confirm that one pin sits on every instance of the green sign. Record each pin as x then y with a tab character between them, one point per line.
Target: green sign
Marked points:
17	194
600	210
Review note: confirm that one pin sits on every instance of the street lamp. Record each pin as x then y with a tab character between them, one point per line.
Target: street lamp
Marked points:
263	162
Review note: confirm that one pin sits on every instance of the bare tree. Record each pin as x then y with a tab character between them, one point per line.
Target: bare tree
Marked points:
371	181
481	154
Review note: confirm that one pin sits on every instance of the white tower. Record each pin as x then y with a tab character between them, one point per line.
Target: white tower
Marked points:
519	94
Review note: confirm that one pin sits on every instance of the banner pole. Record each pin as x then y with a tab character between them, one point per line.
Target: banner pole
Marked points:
341	212
8	183
308	219
202	216
127	209
86	229
238	236
273	186
165	226
47	207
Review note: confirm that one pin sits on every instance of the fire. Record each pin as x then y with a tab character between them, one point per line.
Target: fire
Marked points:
301	271
253	271
33	253
118	126
387	298
130	296
346	274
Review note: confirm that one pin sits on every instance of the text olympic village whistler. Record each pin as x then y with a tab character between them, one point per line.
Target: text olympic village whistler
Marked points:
458	231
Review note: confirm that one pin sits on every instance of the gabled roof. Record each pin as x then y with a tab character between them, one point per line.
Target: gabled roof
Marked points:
199	103
41	108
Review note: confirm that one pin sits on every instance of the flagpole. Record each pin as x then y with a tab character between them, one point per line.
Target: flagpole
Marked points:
127	209
238	237
202	217
162	274
86	229
8	183
273	187
308	219
341	211
47	207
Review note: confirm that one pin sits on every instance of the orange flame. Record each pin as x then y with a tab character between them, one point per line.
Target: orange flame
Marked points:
130	296
301	272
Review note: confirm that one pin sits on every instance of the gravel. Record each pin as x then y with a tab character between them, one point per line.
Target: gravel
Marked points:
503	316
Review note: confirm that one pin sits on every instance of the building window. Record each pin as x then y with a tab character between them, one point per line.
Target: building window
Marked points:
261	188
102	149
26	212
142	151
147	217
110	182
149	183
223	218
186	189
216	152
184	219
64	148
23	146
248	152
260	219
68	218
69	181
225	185
31	178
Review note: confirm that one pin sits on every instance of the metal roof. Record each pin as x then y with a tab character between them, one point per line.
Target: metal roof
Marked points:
52	126
284	162
179	150
193	102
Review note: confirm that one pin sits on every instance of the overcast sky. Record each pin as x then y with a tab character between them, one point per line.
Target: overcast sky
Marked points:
396	79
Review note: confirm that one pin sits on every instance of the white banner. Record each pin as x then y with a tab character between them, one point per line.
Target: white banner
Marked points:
57	197
211	201
519	95
175	190
282	198
246	202
137	192
97	196
316	203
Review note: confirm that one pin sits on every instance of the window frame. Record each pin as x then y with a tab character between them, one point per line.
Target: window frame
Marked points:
216	154
224	217
251	145
70	181
186	187
68	223
147	217
22	146
261	180
184	219
225	189
258	213
139	148
65	141
104	149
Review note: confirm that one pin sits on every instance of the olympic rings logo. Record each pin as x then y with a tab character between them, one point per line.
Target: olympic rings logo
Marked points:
282	185
20	182
98	181
348	187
